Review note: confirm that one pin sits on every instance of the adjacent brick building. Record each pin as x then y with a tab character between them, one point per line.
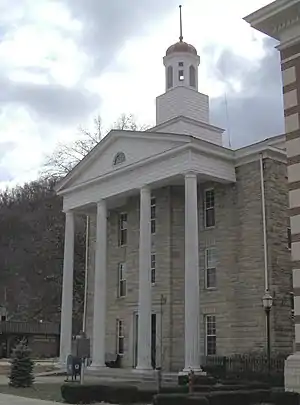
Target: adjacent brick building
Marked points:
280	20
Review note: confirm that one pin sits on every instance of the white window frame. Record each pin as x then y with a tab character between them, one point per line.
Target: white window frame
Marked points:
153	215
153	267
122	229
122	280
209	267
206	209
207	336
120	336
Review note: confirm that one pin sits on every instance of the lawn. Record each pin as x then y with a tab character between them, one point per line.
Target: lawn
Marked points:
47	392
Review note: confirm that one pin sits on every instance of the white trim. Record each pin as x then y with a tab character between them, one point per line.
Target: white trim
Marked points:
106	141
187	120
264	19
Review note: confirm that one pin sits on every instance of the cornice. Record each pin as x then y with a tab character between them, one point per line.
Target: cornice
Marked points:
276	17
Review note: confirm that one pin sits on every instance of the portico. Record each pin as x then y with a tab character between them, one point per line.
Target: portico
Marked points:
185	158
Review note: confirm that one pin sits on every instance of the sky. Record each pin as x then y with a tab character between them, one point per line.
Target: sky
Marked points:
65	61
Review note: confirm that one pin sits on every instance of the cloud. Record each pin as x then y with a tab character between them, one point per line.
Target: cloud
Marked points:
253	92
106	26
52	102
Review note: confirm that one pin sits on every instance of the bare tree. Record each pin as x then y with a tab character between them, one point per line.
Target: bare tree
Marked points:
67	155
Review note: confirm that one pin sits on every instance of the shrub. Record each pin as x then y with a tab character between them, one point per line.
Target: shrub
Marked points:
238	397
179	399
178	389
286	398
21	373
74	394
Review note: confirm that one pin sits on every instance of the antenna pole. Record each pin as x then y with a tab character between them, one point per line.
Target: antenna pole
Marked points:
181	37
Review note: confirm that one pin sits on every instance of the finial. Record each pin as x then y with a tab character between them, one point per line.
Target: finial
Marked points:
181	37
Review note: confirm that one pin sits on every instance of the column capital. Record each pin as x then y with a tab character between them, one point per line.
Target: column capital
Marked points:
189	174
101	203
145	188
69	212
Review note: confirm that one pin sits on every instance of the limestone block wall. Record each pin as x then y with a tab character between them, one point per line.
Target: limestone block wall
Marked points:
238	238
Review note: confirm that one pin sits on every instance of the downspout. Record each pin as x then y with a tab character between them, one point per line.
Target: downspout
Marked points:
263	206
86	273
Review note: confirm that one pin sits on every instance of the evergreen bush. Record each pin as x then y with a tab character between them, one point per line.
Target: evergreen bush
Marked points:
21	372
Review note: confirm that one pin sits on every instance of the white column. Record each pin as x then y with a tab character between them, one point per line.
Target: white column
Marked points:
192	304
144	321
99	331
67	290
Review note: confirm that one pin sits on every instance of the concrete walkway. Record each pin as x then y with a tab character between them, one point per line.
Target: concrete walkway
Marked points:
14	400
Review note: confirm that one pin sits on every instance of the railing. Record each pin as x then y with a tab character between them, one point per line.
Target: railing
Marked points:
246	367
29	328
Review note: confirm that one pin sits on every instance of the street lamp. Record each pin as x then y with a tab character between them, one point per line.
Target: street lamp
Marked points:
267	304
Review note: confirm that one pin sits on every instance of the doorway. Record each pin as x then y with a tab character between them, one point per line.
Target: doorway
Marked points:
153	340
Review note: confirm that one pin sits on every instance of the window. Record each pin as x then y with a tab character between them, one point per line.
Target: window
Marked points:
181	75
192	76
210	267
170	77
289	236
122	229
211	338
153	215
119	158
180	64
153	266
120	337
122	280
209	208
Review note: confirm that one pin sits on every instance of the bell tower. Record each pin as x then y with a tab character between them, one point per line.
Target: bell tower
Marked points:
181	64
182	109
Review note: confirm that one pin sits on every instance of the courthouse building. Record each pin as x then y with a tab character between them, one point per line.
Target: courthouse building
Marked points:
185	236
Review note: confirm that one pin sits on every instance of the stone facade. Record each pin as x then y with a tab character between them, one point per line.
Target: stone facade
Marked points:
238	239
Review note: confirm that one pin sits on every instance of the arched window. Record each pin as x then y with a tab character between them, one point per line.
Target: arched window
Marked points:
119	158
192	76
170	77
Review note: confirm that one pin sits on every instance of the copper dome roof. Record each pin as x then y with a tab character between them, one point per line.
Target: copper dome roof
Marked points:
181	47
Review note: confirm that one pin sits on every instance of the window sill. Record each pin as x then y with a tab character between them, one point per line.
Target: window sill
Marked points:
210	288
208	228
122	297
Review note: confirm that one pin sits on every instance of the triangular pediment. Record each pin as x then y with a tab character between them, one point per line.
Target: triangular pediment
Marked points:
118	150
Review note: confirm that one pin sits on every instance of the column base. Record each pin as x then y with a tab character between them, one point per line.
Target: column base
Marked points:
141	369
292	373
96	367
196	370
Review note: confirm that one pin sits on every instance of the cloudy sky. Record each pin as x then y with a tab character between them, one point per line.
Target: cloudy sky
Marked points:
65	61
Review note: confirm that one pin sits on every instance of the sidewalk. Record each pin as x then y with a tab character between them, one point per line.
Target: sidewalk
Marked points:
14	400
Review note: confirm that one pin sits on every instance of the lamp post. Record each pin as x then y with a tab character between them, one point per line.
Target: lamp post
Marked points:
267	304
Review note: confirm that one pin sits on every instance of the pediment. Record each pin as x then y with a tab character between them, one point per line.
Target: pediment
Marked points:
120	149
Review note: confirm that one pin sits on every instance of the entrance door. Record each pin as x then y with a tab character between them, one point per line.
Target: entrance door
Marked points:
153	340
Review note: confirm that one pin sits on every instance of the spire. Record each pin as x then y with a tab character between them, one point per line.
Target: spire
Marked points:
181	37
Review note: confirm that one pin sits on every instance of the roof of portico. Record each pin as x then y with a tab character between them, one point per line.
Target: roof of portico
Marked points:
163	155
275	17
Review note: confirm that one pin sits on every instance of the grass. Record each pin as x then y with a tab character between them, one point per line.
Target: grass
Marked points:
47	392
